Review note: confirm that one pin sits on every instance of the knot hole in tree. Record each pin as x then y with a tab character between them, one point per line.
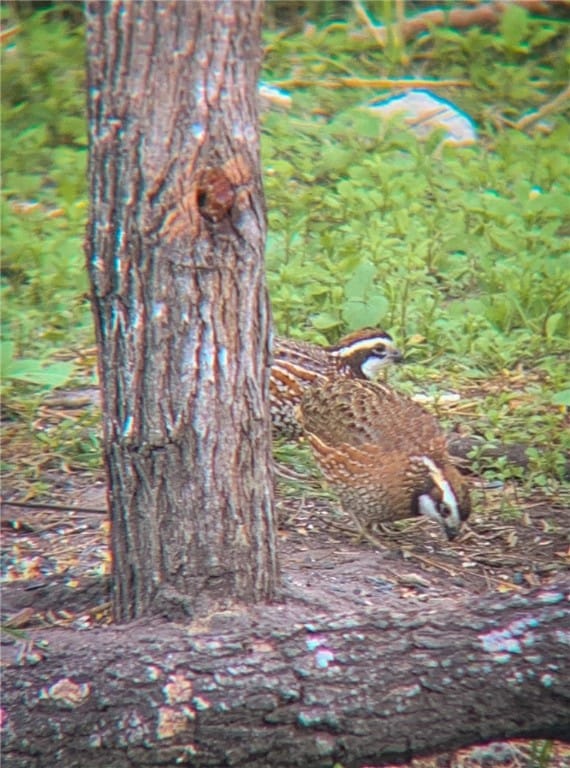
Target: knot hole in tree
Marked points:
215	194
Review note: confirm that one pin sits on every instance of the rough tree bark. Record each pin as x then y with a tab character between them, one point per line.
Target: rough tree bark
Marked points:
282	687
175	256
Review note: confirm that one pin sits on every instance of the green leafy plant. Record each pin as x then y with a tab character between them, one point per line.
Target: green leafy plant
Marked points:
44	163
33	371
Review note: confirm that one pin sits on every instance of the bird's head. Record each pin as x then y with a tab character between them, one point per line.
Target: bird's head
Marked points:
444	497
366	352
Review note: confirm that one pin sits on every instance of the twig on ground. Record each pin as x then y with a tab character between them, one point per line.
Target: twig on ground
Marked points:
377	32
57	507
364	82
483	15
551	106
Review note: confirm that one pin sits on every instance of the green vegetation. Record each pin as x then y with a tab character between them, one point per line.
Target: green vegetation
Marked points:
461	253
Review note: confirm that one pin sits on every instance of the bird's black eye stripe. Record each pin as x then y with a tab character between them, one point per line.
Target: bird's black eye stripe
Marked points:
443	509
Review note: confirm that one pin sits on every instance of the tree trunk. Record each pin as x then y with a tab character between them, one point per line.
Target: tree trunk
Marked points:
175	257
281	686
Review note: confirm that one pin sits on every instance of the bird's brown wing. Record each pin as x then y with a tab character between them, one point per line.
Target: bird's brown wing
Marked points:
362	412
371	484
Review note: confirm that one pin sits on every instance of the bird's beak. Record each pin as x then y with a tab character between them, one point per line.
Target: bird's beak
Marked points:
396	356
451	532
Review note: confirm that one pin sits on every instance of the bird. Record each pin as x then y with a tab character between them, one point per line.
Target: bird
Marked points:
297	365
383	454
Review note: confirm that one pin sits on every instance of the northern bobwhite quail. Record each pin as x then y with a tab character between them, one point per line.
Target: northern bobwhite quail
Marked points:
299	364
383	454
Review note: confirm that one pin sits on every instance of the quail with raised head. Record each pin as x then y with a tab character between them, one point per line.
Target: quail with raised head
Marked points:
299	364
383	454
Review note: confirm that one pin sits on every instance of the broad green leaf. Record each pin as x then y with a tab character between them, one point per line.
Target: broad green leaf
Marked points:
514	25
6	357
355	314
378	306
32	371
504	239
360	314
324	321
562	398
361	282
552	324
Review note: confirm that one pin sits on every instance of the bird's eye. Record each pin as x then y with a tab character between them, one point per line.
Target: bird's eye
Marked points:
443	509
380	350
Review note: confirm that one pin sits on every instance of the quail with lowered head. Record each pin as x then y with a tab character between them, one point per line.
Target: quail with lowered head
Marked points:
384	455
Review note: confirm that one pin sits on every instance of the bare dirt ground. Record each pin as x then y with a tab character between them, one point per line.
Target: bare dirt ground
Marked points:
45	546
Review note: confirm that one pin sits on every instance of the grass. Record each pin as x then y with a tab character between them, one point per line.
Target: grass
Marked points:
461	253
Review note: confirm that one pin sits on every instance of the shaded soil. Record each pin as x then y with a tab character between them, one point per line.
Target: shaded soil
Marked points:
56	563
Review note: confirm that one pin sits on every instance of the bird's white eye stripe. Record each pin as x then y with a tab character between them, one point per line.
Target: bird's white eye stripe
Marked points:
448	497
365	344
434	470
